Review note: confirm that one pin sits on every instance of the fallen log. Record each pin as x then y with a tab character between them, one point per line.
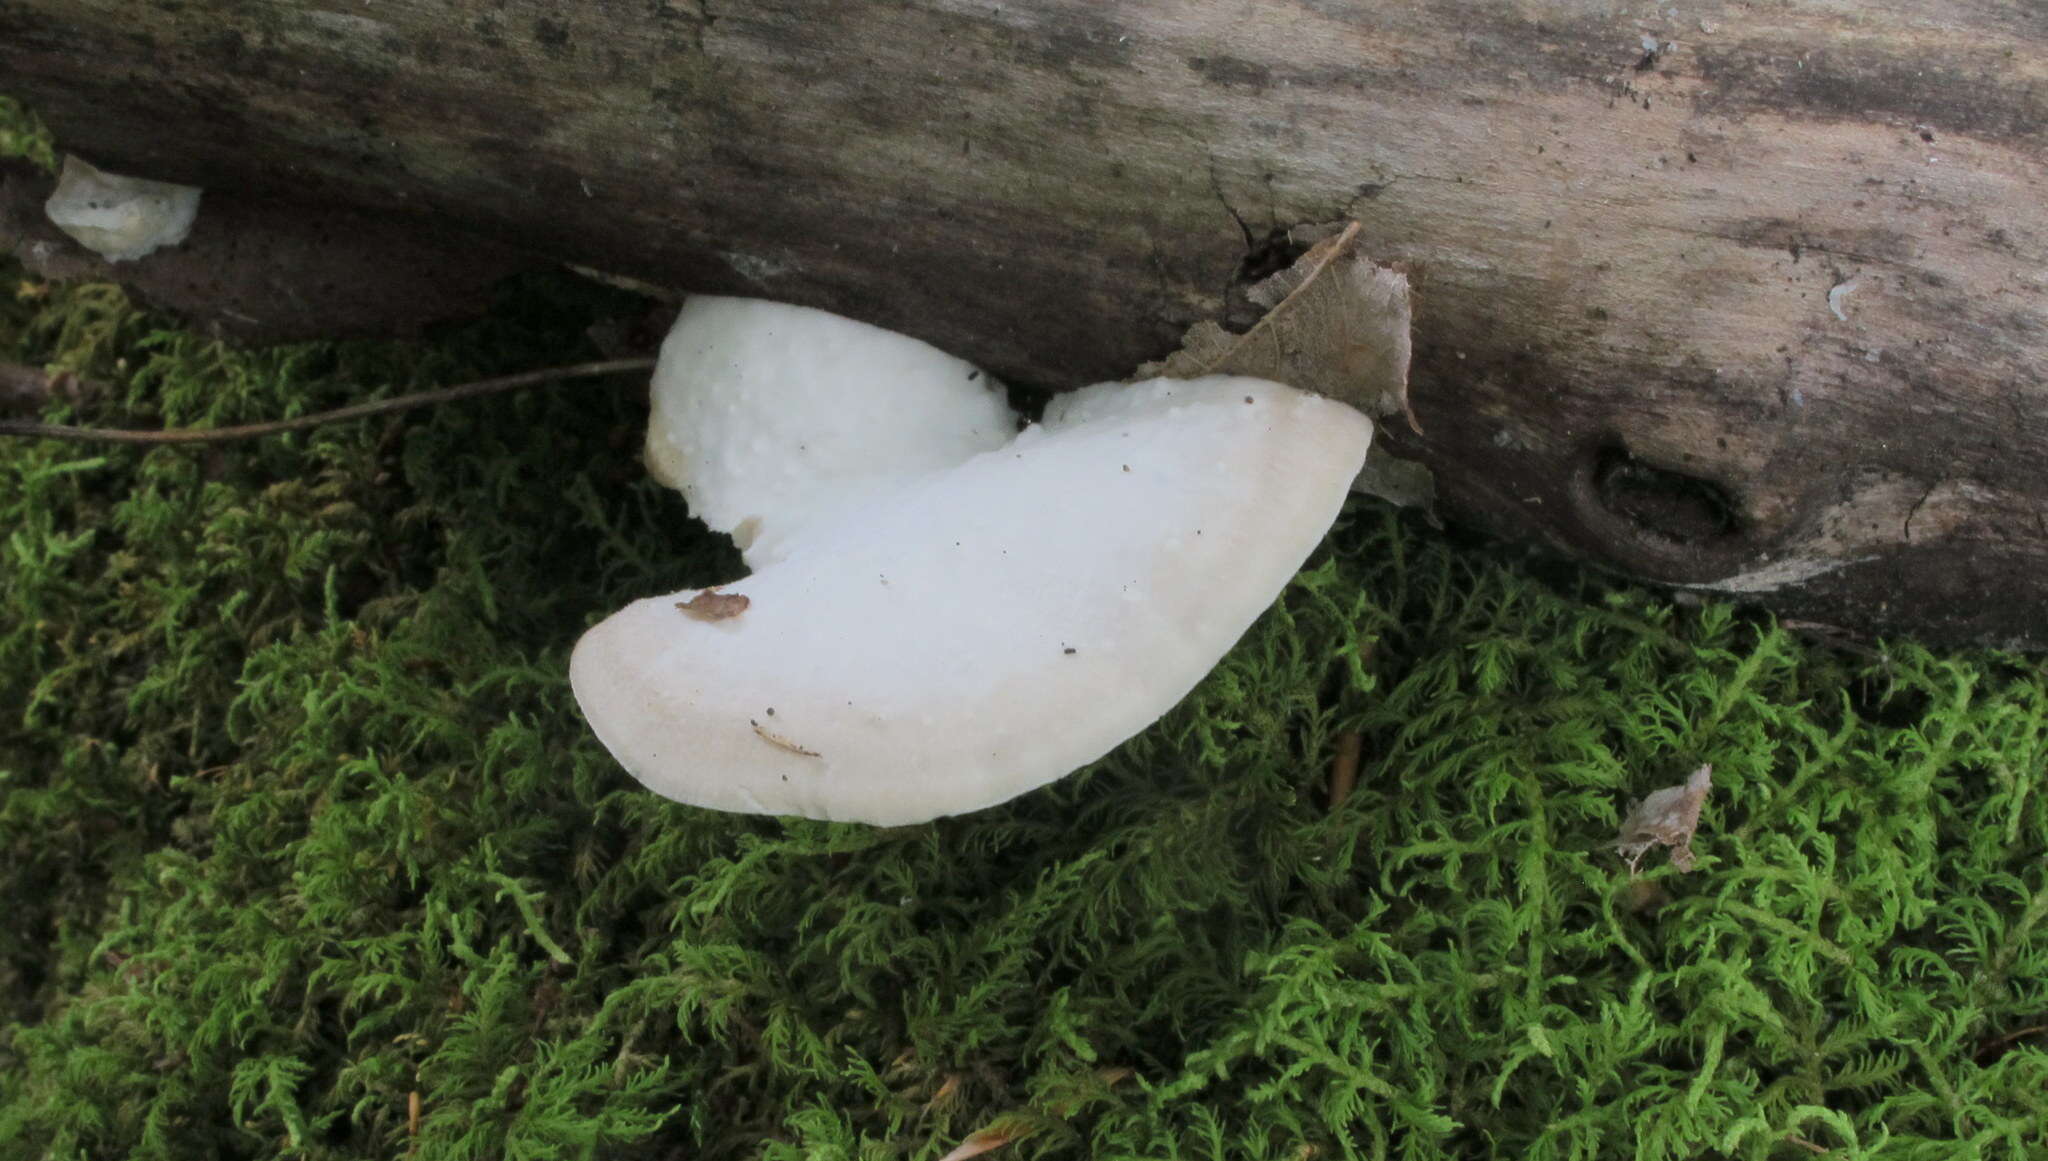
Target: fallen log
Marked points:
1749	299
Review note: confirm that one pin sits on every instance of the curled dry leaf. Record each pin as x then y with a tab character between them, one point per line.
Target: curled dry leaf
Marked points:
712	605
1666	818
1337	324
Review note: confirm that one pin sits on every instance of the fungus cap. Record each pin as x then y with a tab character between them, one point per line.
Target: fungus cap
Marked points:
974	631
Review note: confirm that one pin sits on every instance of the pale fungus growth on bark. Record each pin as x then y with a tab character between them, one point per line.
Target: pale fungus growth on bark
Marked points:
944	612
120	218
1838	295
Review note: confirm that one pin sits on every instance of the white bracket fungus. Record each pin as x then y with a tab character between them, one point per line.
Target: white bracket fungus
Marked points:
943	614
120	218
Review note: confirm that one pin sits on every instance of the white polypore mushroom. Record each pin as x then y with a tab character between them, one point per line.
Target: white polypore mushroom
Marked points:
120	218
972	628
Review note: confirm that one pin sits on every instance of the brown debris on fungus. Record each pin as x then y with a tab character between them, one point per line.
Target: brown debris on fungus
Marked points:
1666	818
712	605
779	742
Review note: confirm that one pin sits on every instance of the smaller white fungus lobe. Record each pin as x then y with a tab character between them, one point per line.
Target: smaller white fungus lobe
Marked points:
120	218
768	416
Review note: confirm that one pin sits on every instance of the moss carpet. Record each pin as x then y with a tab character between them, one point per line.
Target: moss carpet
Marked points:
306	853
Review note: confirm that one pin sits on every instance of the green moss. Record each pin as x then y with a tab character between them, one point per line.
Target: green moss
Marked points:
297	820
22	135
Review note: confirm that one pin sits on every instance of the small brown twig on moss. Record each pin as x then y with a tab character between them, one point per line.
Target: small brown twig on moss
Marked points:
1344	770
34	430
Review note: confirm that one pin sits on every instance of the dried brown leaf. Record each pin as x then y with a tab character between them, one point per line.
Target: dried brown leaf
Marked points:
1666	818
1336	323
712	605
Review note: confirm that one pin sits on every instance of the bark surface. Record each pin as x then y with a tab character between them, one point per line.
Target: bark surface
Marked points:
1752	298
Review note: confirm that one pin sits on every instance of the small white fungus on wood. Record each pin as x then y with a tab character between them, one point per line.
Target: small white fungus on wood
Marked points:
1837	295
120	218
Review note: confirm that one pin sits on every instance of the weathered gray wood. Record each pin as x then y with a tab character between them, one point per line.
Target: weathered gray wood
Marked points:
268	271
1625	343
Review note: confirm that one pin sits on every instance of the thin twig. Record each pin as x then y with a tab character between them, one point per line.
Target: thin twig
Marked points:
781	743
1344	771
358	411
1988	1047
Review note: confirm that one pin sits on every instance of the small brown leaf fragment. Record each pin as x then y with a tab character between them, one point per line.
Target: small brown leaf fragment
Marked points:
1337	324
1666	818
947	1090
712	605
981	1142
778	741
